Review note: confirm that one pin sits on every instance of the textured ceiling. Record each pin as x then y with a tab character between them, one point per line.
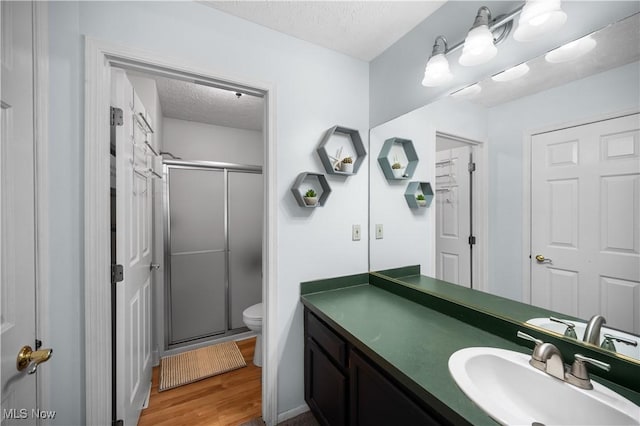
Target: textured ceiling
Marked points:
361	29
196	102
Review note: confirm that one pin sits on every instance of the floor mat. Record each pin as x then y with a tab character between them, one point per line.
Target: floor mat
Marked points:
189	367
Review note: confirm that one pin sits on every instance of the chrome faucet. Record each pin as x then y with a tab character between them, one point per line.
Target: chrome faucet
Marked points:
545	357
592	332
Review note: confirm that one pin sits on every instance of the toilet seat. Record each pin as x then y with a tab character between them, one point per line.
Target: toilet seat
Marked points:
253	313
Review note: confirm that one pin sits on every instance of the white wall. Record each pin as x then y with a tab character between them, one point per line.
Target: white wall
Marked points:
191	140
315	89
409	234
611	91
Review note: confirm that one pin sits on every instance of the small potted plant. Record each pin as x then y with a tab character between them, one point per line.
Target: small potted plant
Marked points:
347	165
310	197
397	169
422	202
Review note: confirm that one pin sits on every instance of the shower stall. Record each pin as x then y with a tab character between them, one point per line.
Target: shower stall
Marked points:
213	248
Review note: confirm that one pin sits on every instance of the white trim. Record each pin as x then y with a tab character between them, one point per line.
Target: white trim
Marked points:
526	185
98	56
41	128
293	413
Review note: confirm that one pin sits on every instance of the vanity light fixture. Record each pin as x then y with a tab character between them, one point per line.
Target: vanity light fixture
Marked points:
437	71
539	17
479	46
571	50
512	73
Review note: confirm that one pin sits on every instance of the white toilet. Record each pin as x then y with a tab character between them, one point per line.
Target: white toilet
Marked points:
252	317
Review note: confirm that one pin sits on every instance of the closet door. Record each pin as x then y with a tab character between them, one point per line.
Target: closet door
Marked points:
197	254
245	243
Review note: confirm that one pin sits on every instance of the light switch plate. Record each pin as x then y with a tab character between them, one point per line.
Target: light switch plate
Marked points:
355	232
379	231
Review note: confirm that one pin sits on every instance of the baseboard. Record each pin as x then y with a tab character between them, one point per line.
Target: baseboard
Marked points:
292	413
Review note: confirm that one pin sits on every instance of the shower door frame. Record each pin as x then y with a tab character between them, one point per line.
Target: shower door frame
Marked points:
225	168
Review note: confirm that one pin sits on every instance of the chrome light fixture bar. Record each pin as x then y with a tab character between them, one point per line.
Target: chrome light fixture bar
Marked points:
480	43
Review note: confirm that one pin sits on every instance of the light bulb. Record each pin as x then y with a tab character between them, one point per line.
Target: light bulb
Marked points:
538	18
437	71
571	51
478	47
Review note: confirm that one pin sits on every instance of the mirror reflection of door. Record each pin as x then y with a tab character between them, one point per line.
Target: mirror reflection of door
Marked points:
584	179
453	211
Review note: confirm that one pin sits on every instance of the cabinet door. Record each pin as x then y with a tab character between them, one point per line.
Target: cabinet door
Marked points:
377	401
325	387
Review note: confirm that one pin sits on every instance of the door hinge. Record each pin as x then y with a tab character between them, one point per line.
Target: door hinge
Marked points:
117	423
117	273
116	117
472	167
472	240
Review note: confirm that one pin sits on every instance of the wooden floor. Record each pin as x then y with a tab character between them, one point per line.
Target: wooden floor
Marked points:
229	399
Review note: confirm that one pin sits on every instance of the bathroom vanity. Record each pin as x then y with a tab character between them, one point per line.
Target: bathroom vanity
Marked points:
377	350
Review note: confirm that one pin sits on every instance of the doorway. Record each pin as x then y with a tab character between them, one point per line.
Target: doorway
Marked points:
100	60
455	168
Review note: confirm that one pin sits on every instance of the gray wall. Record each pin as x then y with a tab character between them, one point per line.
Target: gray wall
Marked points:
396	75
315	89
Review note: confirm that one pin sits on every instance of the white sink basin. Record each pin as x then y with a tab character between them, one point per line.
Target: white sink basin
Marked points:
512	392
621	348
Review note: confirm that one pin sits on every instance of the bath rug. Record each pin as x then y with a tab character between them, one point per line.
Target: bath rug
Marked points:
189	367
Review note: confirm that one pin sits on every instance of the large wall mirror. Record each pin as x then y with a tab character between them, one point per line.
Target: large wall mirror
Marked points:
557	175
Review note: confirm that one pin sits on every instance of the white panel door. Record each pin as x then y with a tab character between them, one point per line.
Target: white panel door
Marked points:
453	254
17	213
133	252
585	220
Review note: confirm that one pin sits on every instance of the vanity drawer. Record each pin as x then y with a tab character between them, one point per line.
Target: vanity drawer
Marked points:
329	341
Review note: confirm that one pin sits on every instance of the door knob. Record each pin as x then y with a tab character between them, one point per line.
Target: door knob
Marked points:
27	357
541	259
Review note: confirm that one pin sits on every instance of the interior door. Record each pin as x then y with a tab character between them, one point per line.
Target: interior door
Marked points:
133	252
585	221
453	213
17	212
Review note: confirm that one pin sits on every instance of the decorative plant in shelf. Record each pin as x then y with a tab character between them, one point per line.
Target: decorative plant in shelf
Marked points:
421	200
310	197
347	165
397	169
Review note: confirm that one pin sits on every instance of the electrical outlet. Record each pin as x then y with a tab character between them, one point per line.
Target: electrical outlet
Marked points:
379	231
355	232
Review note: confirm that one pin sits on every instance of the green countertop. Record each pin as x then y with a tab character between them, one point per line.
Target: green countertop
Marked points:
413	338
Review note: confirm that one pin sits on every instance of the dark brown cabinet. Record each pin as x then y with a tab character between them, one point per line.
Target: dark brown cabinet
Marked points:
344	387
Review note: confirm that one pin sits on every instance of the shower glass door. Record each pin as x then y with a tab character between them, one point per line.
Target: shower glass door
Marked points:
197	253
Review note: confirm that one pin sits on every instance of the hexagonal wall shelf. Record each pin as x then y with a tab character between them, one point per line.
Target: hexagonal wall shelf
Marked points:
317	182
415	188
409	152
358	147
